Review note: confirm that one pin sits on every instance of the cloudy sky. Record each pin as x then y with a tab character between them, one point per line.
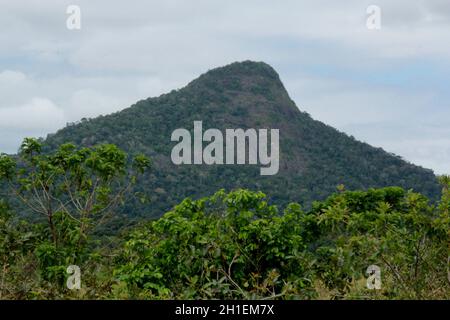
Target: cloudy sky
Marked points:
388	87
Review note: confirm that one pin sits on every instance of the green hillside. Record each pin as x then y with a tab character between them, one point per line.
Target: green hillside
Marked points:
314	157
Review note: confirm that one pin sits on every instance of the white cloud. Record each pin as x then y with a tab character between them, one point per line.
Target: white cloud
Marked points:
35	118
11	77
38	114
430	149
89	103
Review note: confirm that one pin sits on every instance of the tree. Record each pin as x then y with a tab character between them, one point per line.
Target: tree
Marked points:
230	246
75	189
396	230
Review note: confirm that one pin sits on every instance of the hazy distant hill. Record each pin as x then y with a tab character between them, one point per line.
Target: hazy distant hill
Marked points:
314	157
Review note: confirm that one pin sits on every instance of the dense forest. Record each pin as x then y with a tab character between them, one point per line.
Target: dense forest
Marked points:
314	157
230	244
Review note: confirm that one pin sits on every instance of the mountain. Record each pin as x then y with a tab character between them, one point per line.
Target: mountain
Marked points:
314	158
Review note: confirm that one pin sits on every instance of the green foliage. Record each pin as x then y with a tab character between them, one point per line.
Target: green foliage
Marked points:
395	230
7	167
229	246
17	241
72	191
237	246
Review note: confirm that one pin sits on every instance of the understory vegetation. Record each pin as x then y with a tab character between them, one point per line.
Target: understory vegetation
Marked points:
230	245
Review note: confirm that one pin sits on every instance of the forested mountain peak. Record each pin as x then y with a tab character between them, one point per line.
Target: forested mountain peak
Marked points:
238	71
314	157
